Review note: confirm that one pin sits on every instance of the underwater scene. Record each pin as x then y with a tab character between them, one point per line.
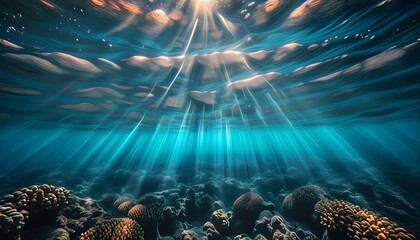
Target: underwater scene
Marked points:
210	119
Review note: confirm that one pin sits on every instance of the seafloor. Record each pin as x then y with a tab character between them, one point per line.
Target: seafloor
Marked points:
278	203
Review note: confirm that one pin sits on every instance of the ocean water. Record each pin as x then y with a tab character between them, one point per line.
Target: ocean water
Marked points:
126	98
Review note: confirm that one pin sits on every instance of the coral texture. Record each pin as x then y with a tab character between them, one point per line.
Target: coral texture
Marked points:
358	224
137	212
273	228
148	216
299	205
119	201
124	207
11	220
248	205
16	208
114	229
43	197
246	209
220	221
210	231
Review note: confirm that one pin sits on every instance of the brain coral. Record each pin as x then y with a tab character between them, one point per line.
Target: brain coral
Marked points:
114	229
356	223
16	208
248	205
299	205
246	209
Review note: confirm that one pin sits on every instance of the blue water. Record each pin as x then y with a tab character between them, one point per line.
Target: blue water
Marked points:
327	88
340	62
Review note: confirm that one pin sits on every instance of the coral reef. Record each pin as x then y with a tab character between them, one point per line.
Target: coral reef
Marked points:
246	210
299	205
18	208
169	224
114	229
138	211
356	223
189	235
148	216
273	228
37	198
119	201
200	210
220	221
80	215
123	208
211	232
11	220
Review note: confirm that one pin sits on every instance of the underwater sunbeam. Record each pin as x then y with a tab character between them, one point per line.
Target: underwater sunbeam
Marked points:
209	119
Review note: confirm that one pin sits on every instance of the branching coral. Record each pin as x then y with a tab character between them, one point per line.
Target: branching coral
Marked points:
114	229
358	224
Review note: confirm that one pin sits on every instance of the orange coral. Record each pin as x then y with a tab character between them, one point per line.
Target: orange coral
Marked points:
148	216
137	211
124	207
358	224
114	229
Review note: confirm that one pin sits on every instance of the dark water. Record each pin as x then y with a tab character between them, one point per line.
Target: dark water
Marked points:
101	96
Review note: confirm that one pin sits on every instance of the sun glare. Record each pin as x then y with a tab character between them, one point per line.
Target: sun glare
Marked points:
203	6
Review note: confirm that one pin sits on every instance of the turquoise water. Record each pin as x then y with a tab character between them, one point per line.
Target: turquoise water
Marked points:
321	92
83	65
228	151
